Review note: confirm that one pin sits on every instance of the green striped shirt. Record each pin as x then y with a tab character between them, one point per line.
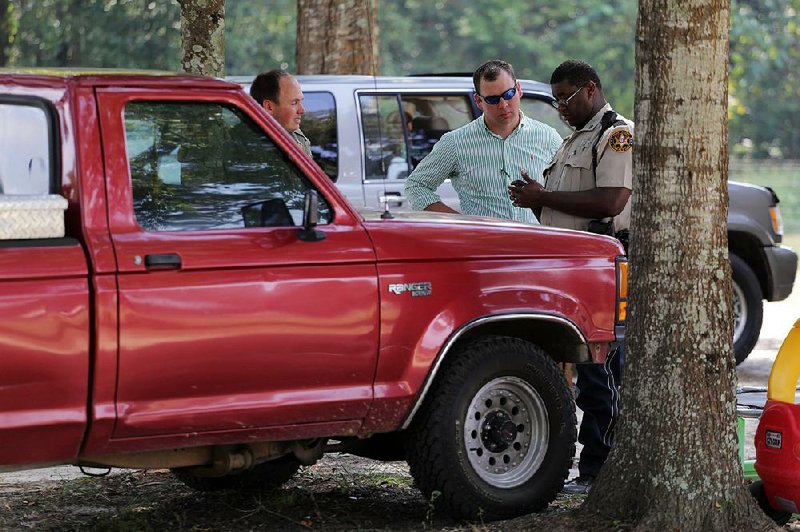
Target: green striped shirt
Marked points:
481	165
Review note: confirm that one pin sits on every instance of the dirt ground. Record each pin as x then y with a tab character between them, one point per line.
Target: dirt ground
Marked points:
341	492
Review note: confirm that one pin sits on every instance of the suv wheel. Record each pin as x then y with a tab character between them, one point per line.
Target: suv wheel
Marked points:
748	309
265	476
496	436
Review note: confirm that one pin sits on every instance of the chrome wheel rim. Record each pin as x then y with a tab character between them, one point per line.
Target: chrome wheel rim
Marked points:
506	432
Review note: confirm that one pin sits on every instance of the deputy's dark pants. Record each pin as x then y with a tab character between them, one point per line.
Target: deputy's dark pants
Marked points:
598	397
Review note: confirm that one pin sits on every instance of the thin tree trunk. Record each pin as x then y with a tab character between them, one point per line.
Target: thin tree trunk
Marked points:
675	465
203	37
337	37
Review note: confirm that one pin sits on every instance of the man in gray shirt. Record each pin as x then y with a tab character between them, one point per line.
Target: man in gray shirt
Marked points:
280	95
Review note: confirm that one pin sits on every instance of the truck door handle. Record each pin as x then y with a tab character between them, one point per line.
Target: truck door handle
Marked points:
393	198
164	261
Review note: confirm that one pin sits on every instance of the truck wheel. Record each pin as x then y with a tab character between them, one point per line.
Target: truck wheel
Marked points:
779	516
496	435
265	476
748	309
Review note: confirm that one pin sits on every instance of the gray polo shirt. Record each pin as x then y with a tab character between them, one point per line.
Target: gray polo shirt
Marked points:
302	140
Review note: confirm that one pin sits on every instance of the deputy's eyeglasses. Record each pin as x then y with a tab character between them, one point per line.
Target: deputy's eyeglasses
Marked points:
564	103
507	95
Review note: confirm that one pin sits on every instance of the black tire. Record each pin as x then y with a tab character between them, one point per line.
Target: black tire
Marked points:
467	445
748	308
780	517
264	476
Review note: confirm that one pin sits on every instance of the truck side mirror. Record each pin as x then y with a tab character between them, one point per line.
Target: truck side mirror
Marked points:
311	218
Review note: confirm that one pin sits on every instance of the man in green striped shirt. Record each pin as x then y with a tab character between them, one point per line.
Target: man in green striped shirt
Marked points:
482	158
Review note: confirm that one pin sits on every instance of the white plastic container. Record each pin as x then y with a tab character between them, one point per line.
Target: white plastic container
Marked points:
29	216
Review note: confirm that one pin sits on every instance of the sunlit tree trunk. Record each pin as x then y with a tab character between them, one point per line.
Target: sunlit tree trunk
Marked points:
337	37
203	36
675	465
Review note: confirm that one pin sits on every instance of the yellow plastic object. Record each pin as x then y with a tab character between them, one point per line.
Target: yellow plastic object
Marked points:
786	368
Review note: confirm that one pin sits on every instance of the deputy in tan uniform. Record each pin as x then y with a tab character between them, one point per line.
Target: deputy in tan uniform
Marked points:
587	187
576	190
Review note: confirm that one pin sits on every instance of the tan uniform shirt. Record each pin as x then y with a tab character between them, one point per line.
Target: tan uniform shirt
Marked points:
571	169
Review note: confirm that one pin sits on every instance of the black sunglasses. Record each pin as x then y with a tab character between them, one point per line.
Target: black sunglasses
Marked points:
507	95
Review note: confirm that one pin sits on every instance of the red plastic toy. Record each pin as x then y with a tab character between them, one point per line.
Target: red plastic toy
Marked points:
778	436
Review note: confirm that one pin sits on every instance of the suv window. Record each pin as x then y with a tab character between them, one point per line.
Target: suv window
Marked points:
432	117
319	125
400	130
201	166
25	166
544	112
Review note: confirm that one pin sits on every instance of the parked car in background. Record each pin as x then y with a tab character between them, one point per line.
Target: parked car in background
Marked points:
368	133
762	268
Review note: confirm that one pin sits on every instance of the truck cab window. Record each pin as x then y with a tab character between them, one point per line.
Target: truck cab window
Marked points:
195	166
24	150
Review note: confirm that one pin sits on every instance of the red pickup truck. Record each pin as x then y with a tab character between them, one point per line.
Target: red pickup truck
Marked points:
211	304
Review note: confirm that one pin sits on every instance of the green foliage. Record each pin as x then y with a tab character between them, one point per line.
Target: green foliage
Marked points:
96	33
783	177
419	36
259	36
764	104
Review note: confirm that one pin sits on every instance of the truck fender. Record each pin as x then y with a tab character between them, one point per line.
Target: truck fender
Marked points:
461	333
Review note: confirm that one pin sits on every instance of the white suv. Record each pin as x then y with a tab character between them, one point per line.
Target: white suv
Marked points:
368	133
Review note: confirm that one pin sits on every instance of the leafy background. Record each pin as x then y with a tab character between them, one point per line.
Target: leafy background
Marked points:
430	36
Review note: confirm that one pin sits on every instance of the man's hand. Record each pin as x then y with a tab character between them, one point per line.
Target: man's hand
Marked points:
531	195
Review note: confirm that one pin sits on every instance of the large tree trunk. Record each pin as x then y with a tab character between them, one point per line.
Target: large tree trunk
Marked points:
203	37
675	464
337	37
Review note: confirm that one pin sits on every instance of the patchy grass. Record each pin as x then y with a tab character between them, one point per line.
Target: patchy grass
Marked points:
792	240
339	493
782	176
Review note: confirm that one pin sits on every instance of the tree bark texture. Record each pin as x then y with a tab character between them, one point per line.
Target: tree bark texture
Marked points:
675	465
337	37
203	37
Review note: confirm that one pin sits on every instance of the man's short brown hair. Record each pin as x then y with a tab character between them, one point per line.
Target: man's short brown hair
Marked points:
490	71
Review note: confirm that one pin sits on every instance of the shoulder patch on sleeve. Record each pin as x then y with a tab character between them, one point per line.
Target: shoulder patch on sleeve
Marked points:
620	140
